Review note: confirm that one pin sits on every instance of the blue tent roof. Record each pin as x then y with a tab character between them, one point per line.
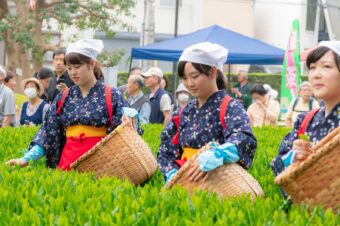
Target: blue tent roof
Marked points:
242	49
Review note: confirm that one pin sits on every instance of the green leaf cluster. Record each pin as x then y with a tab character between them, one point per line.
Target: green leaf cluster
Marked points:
38	196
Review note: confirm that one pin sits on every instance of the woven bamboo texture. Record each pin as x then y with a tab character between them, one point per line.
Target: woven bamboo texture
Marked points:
122	154
228	180
316	180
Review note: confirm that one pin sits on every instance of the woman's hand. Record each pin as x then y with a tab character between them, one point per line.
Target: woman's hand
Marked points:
19	162
61	87
131	122
195	173
302	149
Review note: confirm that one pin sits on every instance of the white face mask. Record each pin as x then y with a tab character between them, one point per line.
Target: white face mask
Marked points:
182	98
30	92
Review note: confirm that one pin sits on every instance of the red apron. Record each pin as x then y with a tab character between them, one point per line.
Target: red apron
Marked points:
79	140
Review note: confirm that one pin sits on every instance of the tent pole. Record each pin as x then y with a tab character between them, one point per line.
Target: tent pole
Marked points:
174	66
228	77
130	64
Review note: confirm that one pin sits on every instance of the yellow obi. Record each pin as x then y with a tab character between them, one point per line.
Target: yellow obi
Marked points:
188	153
88	131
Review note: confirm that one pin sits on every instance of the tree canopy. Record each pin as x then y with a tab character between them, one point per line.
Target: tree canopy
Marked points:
27	26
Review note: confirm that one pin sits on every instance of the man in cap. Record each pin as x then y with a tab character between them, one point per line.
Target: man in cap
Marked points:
136	98
160	100
61	80
7	102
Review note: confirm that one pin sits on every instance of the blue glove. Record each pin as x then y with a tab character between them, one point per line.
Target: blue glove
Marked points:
211	159
169	175
36	152
288	158
133	113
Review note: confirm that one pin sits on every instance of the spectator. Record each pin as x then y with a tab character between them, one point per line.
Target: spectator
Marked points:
44	75
132	71
61	80
33	111
165	85
302	104
182	97
263	111
241	91
7	102
136	98
10	80
160	100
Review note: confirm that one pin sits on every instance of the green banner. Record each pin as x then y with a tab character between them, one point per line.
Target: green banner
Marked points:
291	72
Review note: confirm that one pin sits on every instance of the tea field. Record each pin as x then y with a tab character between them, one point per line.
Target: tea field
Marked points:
38	196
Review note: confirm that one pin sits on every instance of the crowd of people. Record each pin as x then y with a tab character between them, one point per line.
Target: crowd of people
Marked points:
73	102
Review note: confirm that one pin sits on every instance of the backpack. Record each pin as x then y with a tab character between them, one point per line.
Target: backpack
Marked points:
310	104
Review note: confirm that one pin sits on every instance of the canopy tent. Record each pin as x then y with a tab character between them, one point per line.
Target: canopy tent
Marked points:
242	49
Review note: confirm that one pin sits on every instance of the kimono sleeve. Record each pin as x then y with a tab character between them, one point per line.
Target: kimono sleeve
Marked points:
167	151
286	145
238	131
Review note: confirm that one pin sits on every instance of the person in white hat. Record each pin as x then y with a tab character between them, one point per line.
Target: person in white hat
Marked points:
32	111
82	115
212	116
159	99
182	97
324	75
305	102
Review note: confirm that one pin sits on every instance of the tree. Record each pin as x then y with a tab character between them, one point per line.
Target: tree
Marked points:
25	25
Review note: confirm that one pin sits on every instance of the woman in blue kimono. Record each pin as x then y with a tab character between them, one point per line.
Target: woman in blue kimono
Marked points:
81	116
199	122
324	75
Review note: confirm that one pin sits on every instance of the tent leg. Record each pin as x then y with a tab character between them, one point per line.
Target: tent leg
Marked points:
229	74
174	79
130	64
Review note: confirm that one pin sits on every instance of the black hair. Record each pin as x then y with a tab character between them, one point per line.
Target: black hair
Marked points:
206	70
258	89
319	52
166	81
9	75
132	69
76	58
59	52
44	73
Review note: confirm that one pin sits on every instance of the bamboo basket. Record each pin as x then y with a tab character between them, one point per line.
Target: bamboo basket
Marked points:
316	180
122	154
228	180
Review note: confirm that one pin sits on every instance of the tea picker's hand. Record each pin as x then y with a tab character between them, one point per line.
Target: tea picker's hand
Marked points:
130	117
302	149
20	162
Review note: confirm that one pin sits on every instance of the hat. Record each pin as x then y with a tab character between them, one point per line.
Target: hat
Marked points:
271	92
181	87
87	47
333	45
3	72
206	53
153	71
36	81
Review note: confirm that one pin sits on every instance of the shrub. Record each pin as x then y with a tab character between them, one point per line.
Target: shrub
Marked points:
38	196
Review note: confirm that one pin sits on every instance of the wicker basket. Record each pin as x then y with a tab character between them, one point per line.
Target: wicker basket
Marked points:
228	180
316	180
123	154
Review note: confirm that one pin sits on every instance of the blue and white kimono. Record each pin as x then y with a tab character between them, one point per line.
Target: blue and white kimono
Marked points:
199	126
77	110
319	127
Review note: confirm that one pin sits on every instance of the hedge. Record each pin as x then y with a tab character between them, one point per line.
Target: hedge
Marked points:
274	80
38	196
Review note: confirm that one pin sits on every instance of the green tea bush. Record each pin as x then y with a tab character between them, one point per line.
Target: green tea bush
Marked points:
38	196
